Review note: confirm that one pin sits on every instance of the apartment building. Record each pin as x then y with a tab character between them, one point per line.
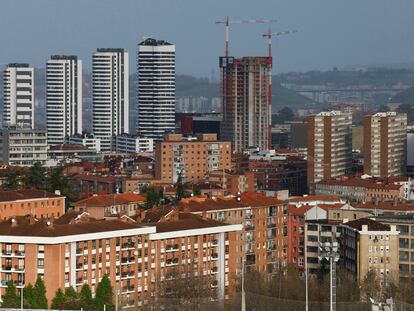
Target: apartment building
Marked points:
329	145
262	244
367	245
405	227
192	158
41	204
111	205
155	88
23	146
77	249
232	182
246	102
126	143
63	98
385	140
110	94
18	95
87	140
364	189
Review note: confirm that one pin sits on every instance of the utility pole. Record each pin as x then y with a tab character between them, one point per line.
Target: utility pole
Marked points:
243	302
329	251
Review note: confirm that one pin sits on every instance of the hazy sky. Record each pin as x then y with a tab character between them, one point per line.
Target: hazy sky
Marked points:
331	32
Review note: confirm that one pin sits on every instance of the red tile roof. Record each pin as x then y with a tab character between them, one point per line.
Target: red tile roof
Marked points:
247	200
27	226
186	221
98	178
316	198
15	195
110	199
372	225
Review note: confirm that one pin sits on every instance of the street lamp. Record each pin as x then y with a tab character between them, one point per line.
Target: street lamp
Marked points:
329	251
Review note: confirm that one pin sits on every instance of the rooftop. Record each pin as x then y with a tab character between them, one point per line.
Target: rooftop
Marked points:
372	225
16	195
110	199
154	42
29	226
186	221
199	204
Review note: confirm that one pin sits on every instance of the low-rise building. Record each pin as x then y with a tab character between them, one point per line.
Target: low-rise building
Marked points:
87	140
23	146
262	244
366	189
367	245
61	153
39	203
77	249
405	227
127	143
111	205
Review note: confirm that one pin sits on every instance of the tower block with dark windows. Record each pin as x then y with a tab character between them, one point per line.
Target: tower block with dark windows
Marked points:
246	101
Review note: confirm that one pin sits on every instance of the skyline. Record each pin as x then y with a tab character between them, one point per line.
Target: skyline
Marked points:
378	39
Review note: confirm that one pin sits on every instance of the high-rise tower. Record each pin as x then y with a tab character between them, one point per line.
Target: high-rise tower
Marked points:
18	97
110	95
155	88
329	145
63	97
245	100
385	139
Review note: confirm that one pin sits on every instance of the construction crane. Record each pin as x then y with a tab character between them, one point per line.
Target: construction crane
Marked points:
227	22
271	34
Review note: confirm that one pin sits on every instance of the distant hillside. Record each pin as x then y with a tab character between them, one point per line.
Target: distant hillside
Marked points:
283	97
404	97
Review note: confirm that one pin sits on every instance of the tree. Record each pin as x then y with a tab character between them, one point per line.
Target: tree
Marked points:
104	295
58	302
36	176
71	299
85	297
58	181
28	296
370	285
10	299
39	294
153	197
186	291
12	179
179	187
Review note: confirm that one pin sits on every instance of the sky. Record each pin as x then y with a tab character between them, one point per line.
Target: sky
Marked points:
332	33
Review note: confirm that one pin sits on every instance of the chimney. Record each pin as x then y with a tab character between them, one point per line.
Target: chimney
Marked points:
204	214
57	192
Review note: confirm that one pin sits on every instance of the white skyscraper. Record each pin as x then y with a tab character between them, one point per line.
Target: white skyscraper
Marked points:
18	97
63	98
156	88
110	95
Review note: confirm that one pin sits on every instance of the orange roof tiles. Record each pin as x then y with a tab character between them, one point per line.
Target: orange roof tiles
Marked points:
111	199
14	195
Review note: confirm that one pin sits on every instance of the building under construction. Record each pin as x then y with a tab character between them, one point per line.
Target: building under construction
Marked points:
246	101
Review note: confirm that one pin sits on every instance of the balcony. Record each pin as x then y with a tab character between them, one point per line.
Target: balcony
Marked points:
271	225
128	260
127	275
19	268
129	245
19	253
128	289
6	268
214	256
